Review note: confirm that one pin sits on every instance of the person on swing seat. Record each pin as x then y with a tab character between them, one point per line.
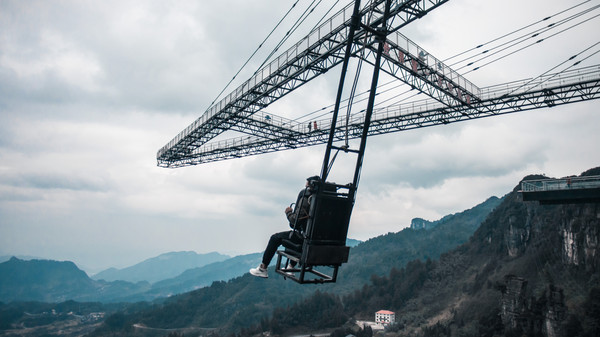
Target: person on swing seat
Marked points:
297	218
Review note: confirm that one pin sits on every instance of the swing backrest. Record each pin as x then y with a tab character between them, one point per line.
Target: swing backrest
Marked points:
329	218
327	227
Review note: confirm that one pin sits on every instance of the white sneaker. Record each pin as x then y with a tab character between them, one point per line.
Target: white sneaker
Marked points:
260	272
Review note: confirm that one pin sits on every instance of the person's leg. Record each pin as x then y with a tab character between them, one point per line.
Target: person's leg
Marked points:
274	243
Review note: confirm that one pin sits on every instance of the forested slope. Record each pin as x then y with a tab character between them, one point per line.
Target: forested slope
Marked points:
246	300
529	270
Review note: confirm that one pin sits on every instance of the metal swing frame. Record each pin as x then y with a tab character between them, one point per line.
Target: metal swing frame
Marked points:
324	241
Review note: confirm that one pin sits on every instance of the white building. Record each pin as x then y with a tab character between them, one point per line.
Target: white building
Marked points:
385	317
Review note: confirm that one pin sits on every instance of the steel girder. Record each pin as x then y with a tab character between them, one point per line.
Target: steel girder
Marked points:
555	89
491	107
280	79
414	66
292	69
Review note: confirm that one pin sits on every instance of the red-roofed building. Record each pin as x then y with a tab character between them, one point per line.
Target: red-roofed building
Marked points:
385	317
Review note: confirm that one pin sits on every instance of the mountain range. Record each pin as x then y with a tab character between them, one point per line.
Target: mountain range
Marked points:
245	300
56	281
63	281
162	276
527	270
502	268
159	268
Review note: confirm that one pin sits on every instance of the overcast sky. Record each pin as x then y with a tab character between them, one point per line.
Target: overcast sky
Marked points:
90	90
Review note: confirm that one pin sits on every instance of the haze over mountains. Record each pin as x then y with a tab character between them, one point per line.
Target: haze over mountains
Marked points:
159	268
168	274
54	281
178	272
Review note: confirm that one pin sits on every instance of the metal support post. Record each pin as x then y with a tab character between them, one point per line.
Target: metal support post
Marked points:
371	102
353	26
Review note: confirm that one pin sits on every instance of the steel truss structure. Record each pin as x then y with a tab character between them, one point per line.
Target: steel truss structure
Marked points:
453	98
320	51
548	91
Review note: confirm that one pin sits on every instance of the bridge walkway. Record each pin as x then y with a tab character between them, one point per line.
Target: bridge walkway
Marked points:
562	191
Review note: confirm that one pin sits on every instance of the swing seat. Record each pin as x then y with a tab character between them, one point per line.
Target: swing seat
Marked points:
323	250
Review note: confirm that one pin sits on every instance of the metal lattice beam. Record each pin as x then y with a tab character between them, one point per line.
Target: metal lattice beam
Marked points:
318	52
555	89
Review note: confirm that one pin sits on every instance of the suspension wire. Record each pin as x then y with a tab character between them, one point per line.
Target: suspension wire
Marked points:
312	30
546	80
546	28
466	59
387	90
524	37
531	44
571	58
355	83
254	53
358	101
530	37
324	16
295	26
418	93
289	33
583	59
558	65
401	100
345	100
576	63
513	32
351	98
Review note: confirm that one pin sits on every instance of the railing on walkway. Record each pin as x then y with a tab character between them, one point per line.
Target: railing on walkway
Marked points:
389	119
562	191
570	183
572	76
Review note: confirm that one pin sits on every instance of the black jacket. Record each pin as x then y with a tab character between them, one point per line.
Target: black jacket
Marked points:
301	211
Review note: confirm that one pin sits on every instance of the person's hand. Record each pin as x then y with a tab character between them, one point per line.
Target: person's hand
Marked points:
288	209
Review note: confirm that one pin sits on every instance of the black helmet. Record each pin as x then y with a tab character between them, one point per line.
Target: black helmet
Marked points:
313	183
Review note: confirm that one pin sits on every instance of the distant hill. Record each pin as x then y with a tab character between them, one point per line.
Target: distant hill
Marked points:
196	278
379	255
20	257
41	280
352	242
159	268
54	281
245	300
420	223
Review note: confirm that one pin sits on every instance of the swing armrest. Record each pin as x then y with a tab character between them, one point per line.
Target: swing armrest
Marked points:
292	247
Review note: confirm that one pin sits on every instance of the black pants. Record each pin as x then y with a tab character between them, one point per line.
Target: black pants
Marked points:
274	243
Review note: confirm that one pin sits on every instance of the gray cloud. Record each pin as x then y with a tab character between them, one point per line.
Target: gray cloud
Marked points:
43	181
90	90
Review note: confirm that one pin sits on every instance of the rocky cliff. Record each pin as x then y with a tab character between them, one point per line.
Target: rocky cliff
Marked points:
529	270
